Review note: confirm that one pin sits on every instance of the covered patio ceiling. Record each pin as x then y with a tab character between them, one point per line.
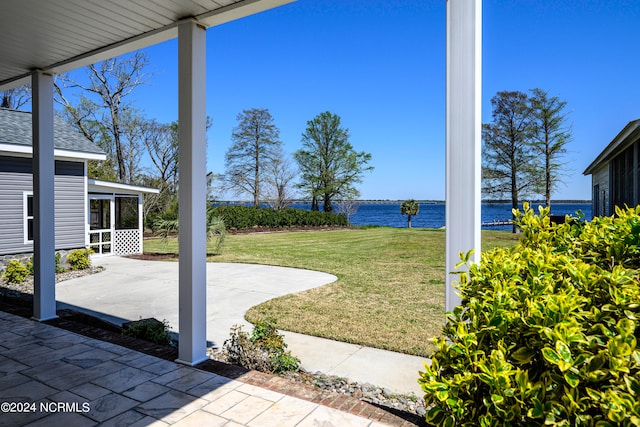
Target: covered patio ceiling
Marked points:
56	36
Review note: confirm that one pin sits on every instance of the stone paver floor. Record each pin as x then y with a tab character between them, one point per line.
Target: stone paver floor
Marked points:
50	376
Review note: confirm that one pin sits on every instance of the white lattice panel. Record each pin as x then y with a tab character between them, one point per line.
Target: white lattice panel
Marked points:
127	242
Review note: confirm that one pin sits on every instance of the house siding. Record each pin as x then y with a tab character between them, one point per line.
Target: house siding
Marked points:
601	205
16	179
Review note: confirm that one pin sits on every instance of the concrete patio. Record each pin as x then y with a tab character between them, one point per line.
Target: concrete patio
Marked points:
129	289
50	376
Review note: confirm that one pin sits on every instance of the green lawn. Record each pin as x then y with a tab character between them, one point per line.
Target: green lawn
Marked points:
390	288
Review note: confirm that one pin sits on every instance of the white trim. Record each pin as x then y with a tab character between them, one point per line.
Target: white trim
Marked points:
86	205
27	151
25	216
97	185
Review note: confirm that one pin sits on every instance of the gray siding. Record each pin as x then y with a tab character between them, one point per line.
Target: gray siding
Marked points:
70	200
600	178
15	179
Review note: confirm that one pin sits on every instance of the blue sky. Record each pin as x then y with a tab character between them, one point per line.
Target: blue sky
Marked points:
380	65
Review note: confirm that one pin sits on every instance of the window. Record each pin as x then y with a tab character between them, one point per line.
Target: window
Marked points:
622	178
28	217
100	214
126	213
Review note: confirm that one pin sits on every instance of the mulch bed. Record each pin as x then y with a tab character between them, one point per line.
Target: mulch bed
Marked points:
21	304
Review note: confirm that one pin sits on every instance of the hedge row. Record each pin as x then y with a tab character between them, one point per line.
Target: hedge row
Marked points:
242	217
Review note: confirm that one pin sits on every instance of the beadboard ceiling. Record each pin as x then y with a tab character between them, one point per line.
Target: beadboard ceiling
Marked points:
60	35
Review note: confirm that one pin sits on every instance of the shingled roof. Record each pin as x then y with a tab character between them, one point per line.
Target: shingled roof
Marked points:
16	129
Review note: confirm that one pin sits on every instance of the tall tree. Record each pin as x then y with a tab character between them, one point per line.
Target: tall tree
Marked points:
409	208
329	166
256	145
16	98
509	164
552	133
161	142
103	114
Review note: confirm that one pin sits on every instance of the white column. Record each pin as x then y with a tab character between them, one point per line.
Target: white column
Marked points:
44	270
192	193
463	135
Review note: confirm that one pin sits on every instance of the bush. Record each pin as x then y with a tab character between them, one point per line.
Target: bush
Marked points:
15	272
243	217
216	230
547	331
79	259
59	267
264	350
151	330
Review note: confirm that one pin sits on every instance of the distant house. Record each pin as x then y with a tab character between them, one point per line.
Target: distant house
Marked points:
616	171
88	213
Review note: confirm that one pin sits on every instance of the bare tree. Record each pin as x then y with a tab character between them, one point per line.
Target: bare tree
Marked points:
280	176
16	98
348	207
161	142
102	113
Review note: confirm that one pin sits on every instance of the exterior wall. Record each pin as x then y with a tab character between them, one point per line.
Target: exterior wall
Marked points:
600	205
16	179
70	201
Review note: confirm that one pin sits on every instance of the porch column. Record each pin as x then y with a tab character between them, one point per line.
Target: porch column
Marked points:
463	136
44	270
192	193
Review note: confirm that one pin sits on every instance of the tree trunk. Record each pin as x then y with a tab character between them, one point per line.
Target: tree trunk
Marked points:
409	221
547	170
328	207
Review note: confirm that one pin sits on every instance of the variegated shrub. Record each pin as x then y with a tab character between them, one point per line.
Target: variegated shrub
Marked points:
547	333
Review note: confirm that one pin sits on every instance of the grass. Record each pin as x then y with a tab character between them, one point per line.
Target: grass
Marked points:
390	288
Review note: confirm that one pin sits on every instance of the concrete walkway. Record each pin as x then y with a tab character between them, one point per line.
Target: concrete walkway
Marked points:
131	289
53	377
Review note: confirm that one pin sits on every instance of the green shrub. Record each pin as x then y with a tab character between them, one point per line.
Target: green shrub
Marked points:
263	350
243	217
151	330
59	267
547	332
79	259
15	272
216	230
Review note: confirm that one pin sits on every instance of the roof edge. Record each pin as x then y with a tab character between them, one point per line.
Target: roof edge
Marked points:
108	185
57	152
620	140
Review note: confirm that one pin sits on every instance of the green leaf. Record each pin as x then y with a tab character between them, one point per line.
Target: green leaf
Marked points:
563	351
523	355
497	399
572	379
450	421
550	355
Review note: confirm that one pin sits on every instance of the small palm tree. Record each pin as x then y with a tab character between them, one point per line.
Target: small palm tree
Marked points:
410	208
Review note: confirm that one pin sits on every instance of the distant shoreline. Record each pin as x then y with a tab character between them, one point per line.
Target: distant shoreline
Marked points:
425	202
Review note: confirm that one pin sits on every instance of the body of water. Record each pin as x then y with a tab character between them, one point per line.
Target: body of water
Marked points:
432	215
